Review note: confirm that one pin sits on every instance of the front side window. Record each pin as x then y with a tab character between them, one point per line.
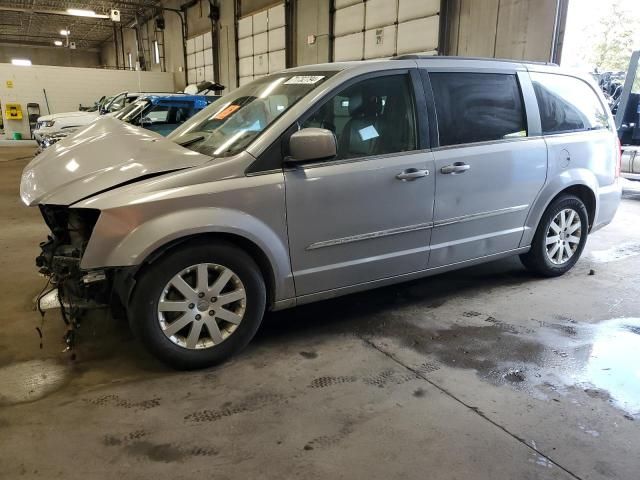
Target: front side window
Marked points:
232	122
477	107
372	117
567	104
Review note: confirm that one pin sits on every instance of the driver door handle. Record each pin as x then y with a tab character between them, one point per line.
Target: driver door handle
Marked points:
457	167
412	174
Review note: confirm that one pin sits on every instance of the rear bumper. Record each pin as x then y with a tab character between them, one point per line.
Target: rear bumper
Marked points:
608	201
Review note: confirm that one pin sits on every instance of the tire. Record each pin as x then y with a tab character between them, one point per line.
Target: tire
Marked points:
539	259
156	286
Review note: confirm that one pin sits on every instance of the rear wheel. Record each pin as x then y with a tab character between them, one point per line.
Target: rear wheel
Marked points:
198	305
559	239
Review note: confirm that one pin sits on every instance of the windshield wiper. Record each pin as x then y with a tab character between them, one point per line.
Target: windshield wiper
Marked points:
191	141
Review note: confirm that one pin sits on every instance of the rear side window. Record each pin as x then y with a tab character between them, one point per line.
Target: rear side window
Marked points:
477	107
567	104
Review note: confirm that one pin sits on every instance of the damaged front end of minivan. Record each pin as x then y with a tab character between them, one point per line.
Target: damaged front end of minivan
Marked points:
103	157
73	290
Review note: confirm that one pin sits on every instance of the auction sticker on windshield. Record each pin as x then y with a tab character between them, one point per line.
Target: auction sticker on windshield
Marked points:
304	80
221	115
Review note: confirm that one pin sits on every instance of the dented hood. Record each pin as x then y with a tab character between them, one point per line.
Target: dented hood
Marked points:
101	156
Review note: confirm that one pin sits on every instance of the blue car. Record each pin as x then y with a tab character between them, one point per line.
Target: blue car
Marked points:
163	113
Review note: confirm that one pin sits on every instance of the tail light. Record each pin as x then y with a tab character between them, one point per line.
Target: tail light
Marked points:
619	159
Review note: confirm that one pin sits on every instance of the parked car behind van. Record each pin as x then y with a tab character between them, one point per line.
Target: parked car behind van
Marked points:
163	113
158	113
59	123
320	181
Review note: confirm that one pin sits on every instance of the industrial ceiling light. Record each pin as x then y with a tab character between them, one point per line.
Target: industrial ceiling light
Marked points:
23	62
78	12
65	33
58	43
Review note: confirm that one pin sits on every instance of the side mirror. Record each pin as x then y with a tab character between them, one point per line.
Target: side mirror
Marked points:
312	144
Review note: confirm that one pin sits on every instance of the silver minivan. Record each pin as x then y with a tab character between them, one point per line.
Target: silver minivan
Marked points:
320	181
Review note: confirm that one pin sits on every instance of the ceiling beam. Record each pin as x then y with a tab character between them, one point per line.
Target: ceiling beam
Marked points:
26	43
50	12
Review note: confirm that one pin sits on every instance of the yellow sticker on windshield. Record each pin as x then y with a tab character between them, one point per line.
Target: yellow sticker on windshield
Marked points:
221	115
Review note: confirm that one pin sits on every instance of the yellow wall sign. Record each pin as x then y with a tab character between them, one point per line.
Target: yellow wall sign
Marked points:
9	83
13	111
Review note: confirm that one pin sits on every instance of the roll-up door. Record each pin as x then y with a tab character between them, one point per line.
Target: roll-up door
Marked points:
261	43
200	59
365	29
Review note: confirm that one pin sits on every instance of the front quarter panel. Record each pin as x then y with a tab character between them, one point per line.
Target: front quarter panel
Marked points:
143	220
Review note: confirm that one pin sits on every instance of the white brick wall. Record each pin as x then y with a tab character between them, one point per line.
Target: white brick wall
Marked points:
67	87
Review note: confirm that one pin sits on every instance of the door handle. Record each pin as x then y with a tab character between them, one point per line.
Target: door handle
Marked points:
458	167
412	174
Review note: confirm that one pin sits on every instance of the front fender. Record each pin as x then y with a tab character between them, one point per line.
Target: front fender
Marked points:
118	240
560	182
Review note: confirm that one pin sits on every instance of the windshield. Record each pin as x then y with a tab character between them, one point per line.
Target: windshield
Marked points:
97	105
233	121
131	111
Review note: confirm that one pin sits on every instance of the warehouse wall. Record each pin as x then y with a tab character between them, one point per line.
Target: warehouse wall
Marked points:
227	41
40	55
68	87
312	18
518	29
198	22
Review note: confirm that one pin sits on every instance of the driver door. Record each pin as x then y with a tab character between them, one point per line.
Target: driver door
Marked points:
366	214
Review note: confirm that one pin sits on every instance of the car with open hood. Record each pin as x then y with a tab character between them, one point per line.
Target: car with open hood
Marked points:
319	181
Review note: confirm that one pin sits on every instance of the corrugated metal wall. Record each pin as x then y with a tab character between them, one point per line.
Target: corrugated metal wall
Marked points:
517	29
200	58
384	28
261	43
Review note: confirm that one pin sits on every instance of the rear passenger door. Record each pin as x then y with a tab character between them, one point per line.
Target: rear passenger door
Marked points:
488	168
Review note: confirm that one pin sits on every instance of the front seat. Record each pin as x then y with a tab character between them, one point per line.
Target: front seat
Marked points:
360	135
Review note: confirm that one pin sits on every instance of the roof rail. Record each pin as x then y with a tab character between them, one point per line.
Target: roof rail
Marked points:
444	57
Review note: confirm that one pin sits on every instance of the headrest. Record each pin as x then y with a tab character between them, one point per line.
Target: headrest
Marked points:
355	102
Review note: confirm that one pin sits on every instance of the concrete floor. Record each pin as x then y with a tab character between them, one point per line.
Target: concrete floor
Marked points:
485	373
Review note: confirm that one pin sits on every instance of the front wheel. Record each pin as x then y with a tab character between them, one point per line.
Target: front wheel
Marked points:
198	305
559	239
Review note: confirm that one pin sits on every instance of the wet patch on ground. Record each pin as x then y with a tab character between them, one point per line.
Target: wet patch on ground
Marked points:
32	380
485	348
560	356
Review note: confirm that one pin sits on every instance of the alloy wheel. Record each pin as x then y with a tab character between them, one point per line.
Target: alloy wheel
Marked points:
202	306
563	236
